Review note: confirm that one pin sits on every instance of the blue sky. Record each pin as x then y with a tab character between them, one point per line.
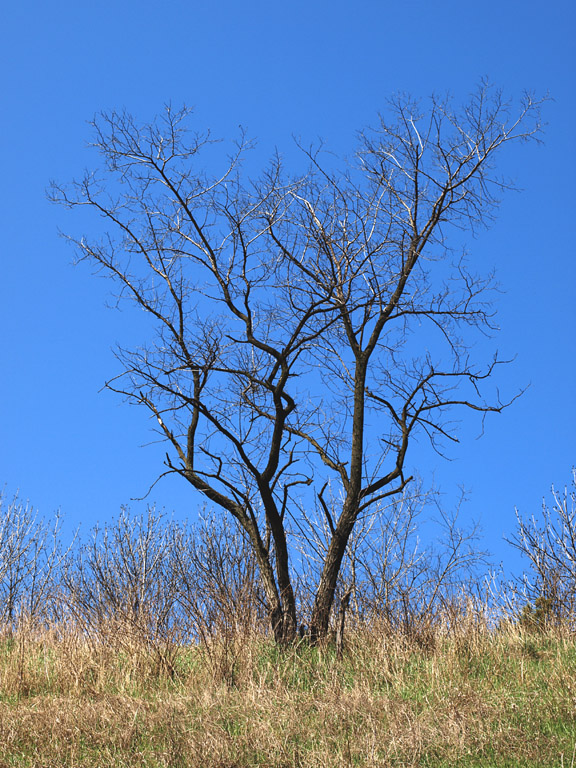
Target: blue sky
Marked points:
315	69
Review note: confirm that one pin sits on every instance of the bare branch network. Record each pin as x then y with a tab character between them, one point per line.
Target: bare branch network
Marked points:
307	328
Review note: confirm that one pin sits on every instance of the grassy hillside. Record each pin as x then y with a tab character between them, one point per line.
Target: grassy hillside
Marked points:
149	645
466	697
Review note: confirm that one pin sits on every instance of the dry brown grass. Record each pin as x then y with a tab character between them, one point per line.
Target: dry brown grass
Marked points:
469	698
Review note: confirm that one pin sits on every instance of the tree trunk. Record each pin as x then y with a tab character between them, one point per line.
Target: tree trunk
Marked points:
325	595
320	620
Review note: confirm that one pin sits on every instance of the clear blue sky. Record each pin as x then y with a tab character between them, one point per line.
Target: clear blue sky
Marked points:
313	69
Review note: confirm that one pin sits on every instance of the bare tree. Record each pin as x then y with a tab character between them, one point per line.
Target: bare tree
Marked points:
309	327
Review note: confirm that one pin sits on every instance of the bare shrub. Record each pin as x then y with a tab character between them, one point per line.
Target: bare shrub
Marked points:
120	588
220	600
30	556
151	583
548	542
216	571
